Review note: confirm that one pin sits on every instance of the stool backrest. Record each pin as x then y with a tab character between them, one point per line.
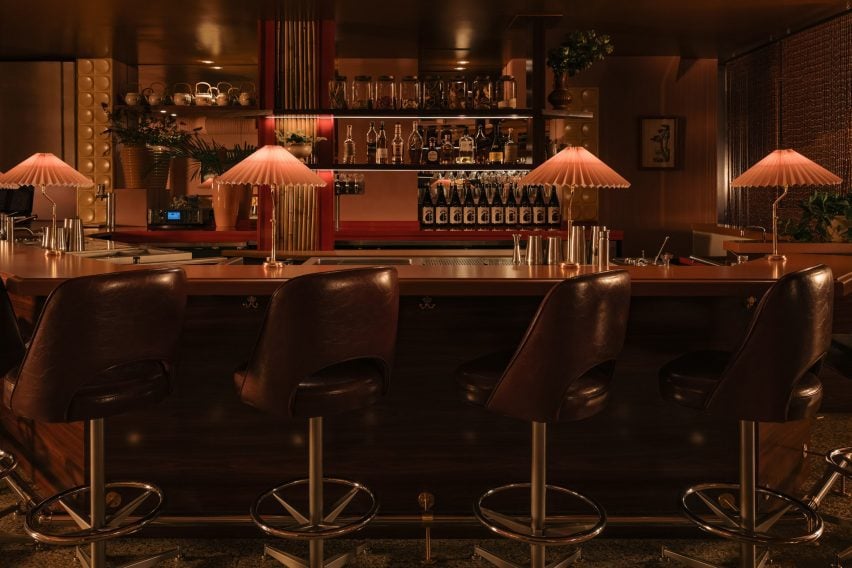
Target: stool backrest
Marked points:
579	325
788	337
94	324
11	345
316	321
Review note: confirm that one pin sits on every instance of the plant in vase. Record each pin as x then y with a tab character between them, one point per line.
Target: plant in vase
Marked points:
212	160
298	143
825	218
580	50
147	143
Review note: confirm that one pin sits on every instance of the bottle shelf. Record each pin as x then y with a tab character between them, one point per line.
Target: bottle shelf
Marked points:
422	167
231	111
379	114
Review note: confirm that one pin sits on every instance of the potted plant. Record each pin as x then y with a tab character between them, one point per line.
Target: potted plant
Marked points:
230	202
147	143
298	143
825	218
580	50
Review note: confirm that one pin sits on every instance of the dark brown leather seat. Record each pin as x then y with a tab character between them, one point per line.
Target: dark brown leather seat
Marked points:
103	345
773	376
11	345
326	347
561	371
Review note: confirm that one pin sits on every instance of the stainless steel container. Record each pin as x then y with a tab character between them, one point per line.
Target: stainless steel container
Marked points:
47	238
74	234
578	245
60	239
534	253
554	250
603	249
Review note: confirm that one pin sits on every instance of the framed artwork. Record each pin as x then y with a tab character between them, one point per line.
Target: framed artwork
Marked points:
660	142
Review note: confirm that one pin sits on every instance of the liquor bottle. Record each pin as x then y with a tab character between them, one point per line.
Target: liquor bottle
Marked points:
371	143
348	147
554	211
396	144
495	152
510	149
415	145
427	209
539	208
525	209
497	209
483	210
447	151
469	207
510	215
382	145
432	151
442	210
456	210
465	148
480	144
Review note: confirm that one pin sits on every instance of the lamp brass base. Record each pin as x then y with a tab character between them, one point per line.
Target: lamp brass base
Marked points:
52	252
777	258
271	263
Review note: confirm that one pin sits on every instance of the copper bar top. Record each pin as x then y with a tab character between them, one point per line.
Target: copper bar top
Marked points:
27	271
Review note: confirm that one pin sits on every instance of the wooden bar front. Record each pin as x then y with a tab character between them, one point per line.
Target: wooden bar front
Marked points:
212	455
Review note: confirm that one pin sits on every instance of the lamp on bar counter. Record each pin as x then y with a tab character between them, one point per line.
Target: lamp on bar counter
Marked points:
784	168
574	167
43	169
276	167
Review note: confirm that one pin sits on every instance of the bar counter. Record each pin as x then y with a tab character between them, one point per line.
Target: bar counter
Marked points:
212	455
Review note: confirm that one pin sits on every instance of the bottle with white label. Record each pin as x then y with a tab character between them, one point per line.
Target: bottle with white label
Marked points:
469	207
465	148
442	210
483	210
427	210
539	208
554	211
525	217
497	210
510	211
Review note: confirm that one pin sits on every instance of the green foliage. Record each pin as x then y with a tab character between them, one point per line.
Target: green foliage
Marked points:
819	218
579	51
138	126
296	137
212	157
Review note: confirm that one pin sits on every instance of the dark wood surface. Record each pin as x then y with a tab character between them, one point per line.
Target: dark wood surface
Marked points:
212	454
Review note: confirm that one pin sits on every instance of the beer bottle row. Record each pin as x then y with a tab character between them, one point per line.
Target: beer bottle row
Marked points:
476	205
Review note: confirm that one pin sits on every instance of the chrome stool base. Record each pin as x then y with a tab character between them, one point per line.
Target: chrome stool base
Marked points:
500	562
85	560
691	562
8	464
316	525
533	530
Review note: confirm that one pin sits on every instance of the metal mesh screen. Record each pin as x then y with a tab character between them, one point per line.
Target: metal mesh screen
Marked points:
795	93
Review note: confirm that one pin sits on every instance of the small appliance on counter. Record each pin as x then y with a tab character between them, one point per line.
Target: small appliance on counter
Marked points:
184	212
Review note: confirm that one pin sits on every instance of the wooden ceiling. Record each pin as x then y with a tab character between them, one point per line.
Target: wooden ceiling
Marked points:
438	32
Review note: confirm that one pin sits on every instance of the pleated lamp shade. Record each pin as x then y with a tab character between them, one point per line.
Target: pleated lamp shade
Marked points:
44	169
576	167
271	165
785	168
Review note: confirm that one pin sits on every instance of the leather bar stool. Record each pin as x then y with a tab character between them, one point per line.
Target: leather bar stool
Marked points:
326	347
103	345
560	372
771	377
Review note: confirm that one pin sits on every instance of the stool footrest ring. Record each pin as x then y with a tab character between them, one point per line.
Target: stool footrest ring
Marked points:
517	529
119	523
8	463
841	460
301	528
724	510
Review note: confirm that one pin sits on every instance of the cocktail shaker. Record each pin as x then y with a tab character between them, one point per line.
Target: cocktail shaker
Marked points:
534	255
578	245
74	234
516	249
603	249
554	250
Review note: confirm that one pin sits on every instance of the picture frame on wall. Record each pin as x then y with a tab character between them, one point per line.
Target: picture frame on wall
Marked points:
660	142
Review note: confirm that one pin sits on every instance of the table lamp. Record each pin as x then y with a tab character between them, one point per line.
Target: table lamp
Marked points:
43	169
784	168
276	167
575	167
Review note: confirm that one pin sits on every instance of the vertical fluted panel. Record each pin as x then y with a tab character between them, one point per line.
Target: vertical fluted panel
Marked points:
298	56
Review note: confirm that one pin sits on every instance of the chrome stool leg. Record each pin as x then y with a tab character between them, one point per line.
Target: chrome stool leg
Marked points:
96	527
316	526
8	464
745	526
535	534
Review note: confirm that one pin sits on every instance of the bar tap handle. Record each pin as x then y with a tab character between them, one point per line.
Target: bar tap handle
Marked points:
659	252
426	501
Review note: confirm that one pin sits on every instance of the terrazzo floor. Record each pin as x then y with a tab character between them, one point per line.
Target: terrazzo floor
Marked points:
833	430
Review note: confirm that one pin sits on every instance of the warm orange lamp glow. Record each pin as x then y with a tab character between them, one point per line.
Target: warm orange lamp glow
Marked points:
575	167
784	168
44	169
276	167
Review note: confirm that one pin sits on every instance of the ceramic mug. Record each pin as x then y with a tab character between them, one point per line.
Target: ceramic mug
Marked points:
132	99
245	99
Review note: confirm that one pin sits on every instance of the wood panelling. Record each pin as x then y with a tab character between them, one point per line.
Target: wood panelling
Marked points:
658	202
